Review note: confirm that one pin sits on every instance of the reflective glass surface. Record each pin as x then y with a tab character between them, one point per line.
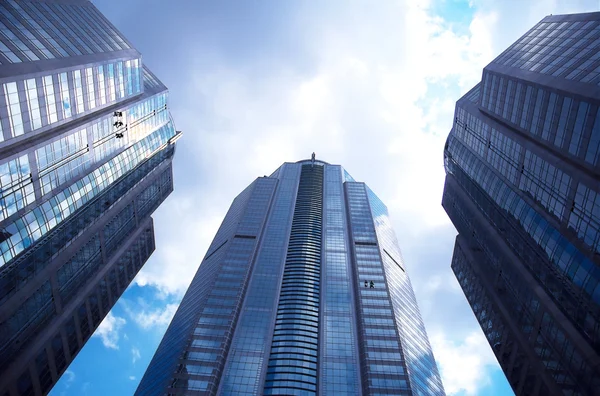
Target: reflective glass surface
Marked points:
522	190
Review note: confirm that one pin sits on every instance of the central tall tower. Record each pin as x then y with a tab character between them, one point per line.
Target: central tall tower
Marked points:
302	291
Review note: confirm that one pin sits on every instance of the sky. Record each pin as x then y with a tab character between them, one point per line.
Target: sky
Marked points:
370	85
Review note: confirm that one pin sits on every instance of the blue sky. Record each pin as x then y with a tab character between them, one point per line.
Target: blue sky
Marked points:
369	85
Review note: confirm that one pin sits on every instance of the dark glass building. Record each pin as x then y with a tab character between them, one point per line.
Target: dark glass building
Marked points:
303	291
523	190
86	145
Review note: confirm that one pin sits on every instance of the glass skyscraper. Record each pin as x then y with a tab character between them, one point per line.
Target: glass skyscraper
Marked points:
523	190
86	145
302	291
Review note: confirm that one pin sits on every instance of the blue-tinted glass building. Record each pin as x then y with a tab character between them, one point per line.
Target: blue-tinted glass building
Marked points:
523	190
86	145
302	291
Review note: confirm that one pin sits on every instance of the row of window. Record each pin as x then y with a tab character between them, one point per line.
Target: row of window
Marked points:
54	30
59	92
63	352
517	296
571	52
70	199
69	156
547	184
564	258
570	125
422	368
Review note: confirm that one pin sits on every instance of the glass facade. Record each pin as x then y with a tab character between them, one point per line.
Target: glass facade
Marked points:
86	148
303	291
521	189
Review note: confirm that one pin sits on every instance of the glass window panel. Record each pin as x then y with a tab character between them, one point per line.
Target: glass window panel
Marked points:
91	93
65	95
33	103
14	108
50	99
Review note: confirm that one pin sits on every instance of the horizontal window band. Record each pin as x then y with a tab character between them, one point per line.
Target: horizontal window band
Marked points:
245	236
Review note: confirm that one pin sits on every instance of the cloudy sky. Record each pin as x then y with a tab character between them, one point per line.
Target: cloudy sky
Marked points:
370	85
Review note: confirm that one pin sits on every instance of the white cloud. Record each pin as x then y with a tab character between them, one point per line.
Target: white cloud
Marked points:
135	355
148	317
109	329
376	93
365	106
464	365
70	377
132	378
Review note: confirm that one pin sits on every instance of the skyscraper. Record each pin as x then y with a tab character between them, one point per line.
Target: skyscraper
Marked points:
523	190
302	291
86	144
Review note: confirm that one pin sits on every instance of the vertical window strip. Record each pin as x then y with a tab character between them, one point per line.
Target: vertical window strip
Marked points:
593	148
89	76
101	86
585	216
32	102
136	76
50	99
549	116
509	95
515	109
578	128
535	121
524	114
121	81
129	77
112	82
78	91
14	108
562	122
65	96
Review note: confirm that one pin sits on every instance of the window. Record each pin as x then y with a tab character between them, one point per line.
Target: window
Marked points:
50	100
578	128
14	108
101	85
121	81
562	122
89	76
78	91
112	82
65	95
592	151
33	104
